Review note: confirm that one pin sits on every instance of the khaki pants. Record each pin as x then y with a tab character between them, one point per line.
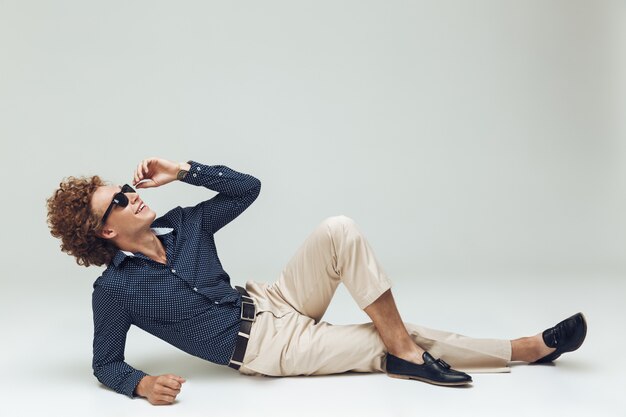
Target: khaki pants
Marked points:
288	338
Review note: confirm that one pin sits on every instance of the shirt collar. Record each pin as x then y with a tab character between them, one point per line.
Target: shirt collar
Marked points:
122	254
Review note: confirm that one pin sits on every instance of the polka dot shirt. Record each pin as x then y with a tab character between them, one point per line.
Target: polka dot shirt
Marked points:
189	302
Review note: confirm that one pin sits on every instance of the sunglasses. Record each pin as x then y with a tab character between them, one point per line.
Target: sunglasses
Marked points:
119	199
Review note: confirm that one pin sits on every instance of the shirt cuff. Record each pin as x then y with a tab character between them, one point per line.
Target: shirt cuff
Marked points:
131	383
197	171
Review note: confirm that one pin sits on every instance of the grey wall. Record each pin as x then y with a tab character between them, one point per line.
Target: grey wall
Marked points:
480	137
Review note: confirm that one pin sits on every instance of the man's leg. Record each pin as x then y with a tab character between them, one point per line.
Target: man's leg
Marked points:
392	330
399	343
337	251
297	345
529	349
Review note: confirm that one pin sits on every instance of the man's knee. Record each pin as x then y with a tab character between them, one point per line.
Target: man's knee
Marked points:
339	221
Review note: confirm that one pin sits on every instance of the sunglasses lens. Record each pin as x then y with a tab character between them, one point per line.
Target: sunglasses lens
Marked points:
121	200
128	189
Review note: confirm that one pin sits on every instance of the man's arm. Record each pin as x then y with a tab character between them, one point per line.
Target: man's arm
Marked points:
237	191
111	324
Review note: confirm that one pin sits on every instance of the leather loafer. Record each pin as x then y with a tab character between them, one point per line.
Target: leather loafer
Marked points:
433	371
566	336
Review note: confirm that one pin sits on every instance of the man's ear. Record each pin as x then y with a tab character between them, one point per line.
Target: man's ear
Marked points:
107	233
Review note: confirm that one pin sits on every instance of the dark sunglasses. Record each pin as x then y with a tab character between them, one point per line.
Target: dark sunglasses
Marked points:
119	199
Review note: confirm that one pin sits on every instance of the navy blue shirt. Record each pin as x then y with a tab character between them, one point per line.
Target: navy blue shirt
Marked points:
189	302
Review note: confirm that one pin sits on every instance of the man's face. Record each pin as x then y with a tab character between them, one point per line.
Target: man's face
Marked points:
124	221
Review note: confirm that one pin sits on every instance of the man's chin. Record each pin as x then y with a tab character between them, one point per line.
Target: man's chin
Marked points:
152	216
147	218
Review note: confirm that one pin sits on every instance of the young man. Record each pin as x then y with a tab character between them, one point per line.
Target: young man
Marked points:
164	276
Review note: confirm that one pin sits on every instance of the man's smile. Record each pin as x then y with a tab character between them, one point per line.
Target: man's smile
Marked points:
140	207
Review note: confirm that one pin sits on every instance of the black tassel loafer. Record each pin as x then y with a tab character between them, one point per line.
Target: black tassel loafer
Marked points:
433	371
566	336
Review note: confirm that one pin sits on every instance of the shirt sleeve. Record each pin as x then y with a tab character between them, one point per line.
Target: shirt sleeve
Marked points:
237	191
111	324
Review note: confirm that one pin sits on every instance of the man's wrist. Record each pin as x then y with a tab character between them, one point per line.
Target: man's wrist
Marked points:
183	169
141	388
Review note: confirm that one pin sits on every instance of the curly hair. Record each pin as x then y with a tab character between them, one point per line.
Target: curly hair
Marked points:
71	219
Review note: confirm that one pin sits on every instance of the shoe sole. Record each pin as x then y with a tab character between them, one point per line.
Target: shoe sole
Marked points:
554	356
445	384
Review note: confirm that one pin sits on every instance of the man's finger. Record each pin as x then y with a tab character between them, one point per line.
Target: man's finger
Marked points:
171	383
168	391
167	398
176	377
145	183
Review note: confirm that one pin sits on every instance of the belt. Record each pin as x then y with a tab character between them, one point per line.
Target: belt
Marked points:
248	314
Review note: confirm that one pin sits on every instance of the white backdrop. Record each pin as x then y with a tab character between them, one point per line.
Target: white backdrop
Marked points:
463	136
482	139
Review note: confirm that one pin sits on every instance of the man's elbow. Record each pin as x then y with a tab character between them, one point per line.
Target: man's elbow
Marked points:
256	189
98	372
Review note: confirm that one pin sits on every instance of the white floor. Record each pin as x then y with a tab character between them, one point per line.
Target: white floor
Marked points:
47	356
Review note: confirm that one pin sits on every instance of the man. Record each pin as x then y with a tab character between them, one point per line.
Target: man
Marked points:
164	276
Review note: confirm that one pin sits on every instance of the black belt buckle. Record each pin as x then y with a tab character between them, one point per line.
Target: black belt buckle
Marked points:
247	309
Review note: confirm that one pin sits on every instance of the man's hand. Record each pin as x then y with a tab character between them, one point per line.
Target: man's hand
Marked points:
156	172
160	390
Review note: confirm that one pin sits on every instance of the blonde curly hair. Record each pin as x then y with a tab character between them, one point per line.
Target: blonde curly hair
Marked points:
71	219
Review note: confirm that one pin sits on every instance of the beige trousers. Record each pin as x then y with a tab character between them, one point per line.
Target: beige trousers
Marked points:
289	338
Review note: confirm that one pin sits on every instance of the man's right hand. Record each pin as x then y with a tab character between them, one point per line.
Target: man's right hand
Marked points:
156	172
160	390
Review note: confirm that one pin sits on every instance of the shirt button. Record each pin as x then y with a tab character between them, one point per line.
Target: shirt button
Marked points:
173	271
198	168
219	173
216	302
194	174
195	289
